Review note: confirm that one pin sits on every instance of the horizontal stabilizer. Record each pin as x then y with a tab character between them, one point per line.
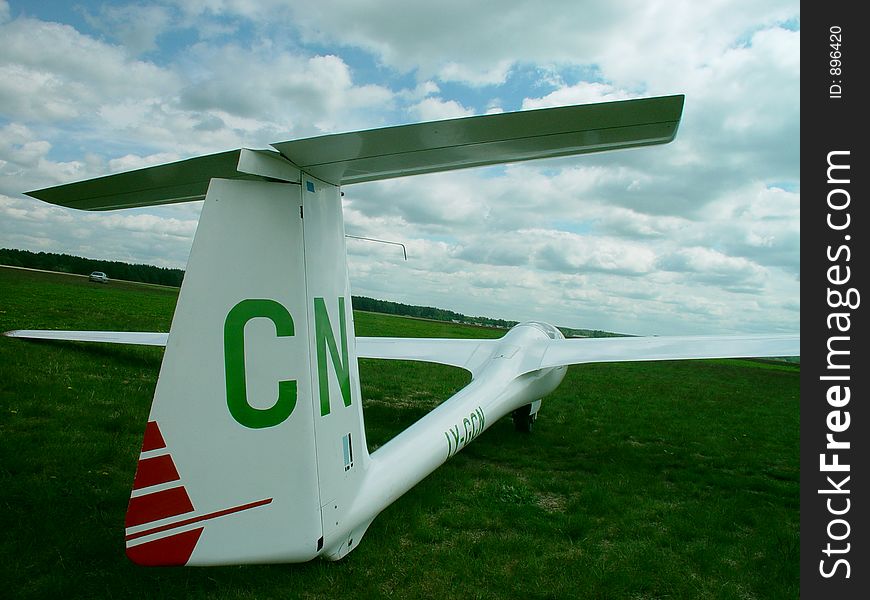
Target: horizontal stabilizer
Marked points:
389	152
109	337
182	181
405	150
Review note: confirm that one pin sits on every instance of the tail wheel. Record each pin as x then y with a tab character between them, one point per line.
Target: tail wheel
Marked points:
523	418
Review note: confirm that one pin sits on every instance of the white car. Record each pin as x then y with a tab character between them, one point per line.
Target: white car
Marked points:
99	277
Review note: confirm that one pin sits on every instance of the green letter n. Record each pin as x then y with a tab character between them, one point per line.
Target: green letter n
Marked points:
326	339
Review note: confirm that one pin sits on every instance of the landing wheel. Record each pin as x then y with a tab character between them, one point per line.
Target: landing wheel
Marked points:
523	418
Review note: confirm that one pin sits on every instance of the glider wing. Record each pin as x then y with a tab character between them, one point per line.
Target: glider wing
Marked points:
471	354
109	337
627	349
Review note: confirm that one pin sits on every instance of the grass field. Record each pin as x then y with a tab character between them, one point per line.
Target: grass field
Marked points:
644	480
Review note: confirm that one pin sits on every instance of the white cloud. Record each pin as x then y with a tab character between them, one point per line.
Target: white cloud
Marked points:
571	253
130	162
581	93
712	267
289	95
432	109
24	163
628	223
474	43
214	98
476	76
478	43
677	41
136	27
761	224
50	72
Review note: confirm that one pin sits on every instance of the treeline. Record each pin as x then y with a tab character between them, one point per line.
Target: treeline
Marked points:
425	312
589	333
440	314
65	263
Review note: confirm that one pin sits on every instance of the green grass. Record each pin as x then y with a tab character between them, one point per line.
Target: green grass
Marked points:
644	480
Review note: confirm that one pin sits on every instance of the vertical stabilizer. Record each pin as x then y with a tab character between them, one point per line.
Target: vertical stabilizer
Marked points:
257	407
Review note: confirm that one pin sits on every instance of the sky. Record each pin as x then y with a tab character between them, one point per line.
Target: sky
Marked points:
700	236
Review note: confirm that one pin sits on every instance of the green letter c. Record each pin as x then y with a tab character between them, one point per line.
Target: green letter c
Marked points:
234	363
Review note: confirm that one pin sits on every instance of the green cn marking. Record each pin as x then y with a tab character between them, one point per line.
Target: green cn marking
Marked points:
234	363
326	339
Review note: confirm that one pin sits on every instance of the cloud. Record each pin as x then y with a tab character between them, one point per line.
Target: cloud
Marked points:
216	97
708	266
759	223
681	40
296	93
477	48
583	92
622	222
475	75
491	38
24	163
441	205
136	27
433	109
51	72
571	253
130	162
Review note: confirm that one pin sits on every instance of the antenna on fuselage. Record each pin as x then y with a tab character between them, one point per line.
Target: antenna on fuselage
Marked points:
367	239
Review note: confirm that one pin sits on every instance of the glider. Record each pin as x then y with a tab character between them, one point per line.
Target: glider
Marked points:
255	448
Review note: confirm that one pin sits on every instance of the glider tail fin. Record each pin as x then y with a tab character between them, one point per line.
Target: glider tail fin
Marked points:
255	443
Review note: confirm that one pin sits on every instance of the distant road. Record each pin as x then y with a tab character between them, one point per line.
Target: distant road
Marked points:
157	285
41	270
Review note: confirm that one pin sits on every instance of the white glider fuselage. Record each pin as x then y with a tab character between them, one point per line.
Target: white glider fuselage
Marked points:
499	386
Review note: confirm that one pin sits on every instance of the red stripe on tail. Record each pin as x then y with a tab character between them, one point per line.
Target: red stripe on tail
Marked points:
158	505
153	438
206	517
152	471
172	550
